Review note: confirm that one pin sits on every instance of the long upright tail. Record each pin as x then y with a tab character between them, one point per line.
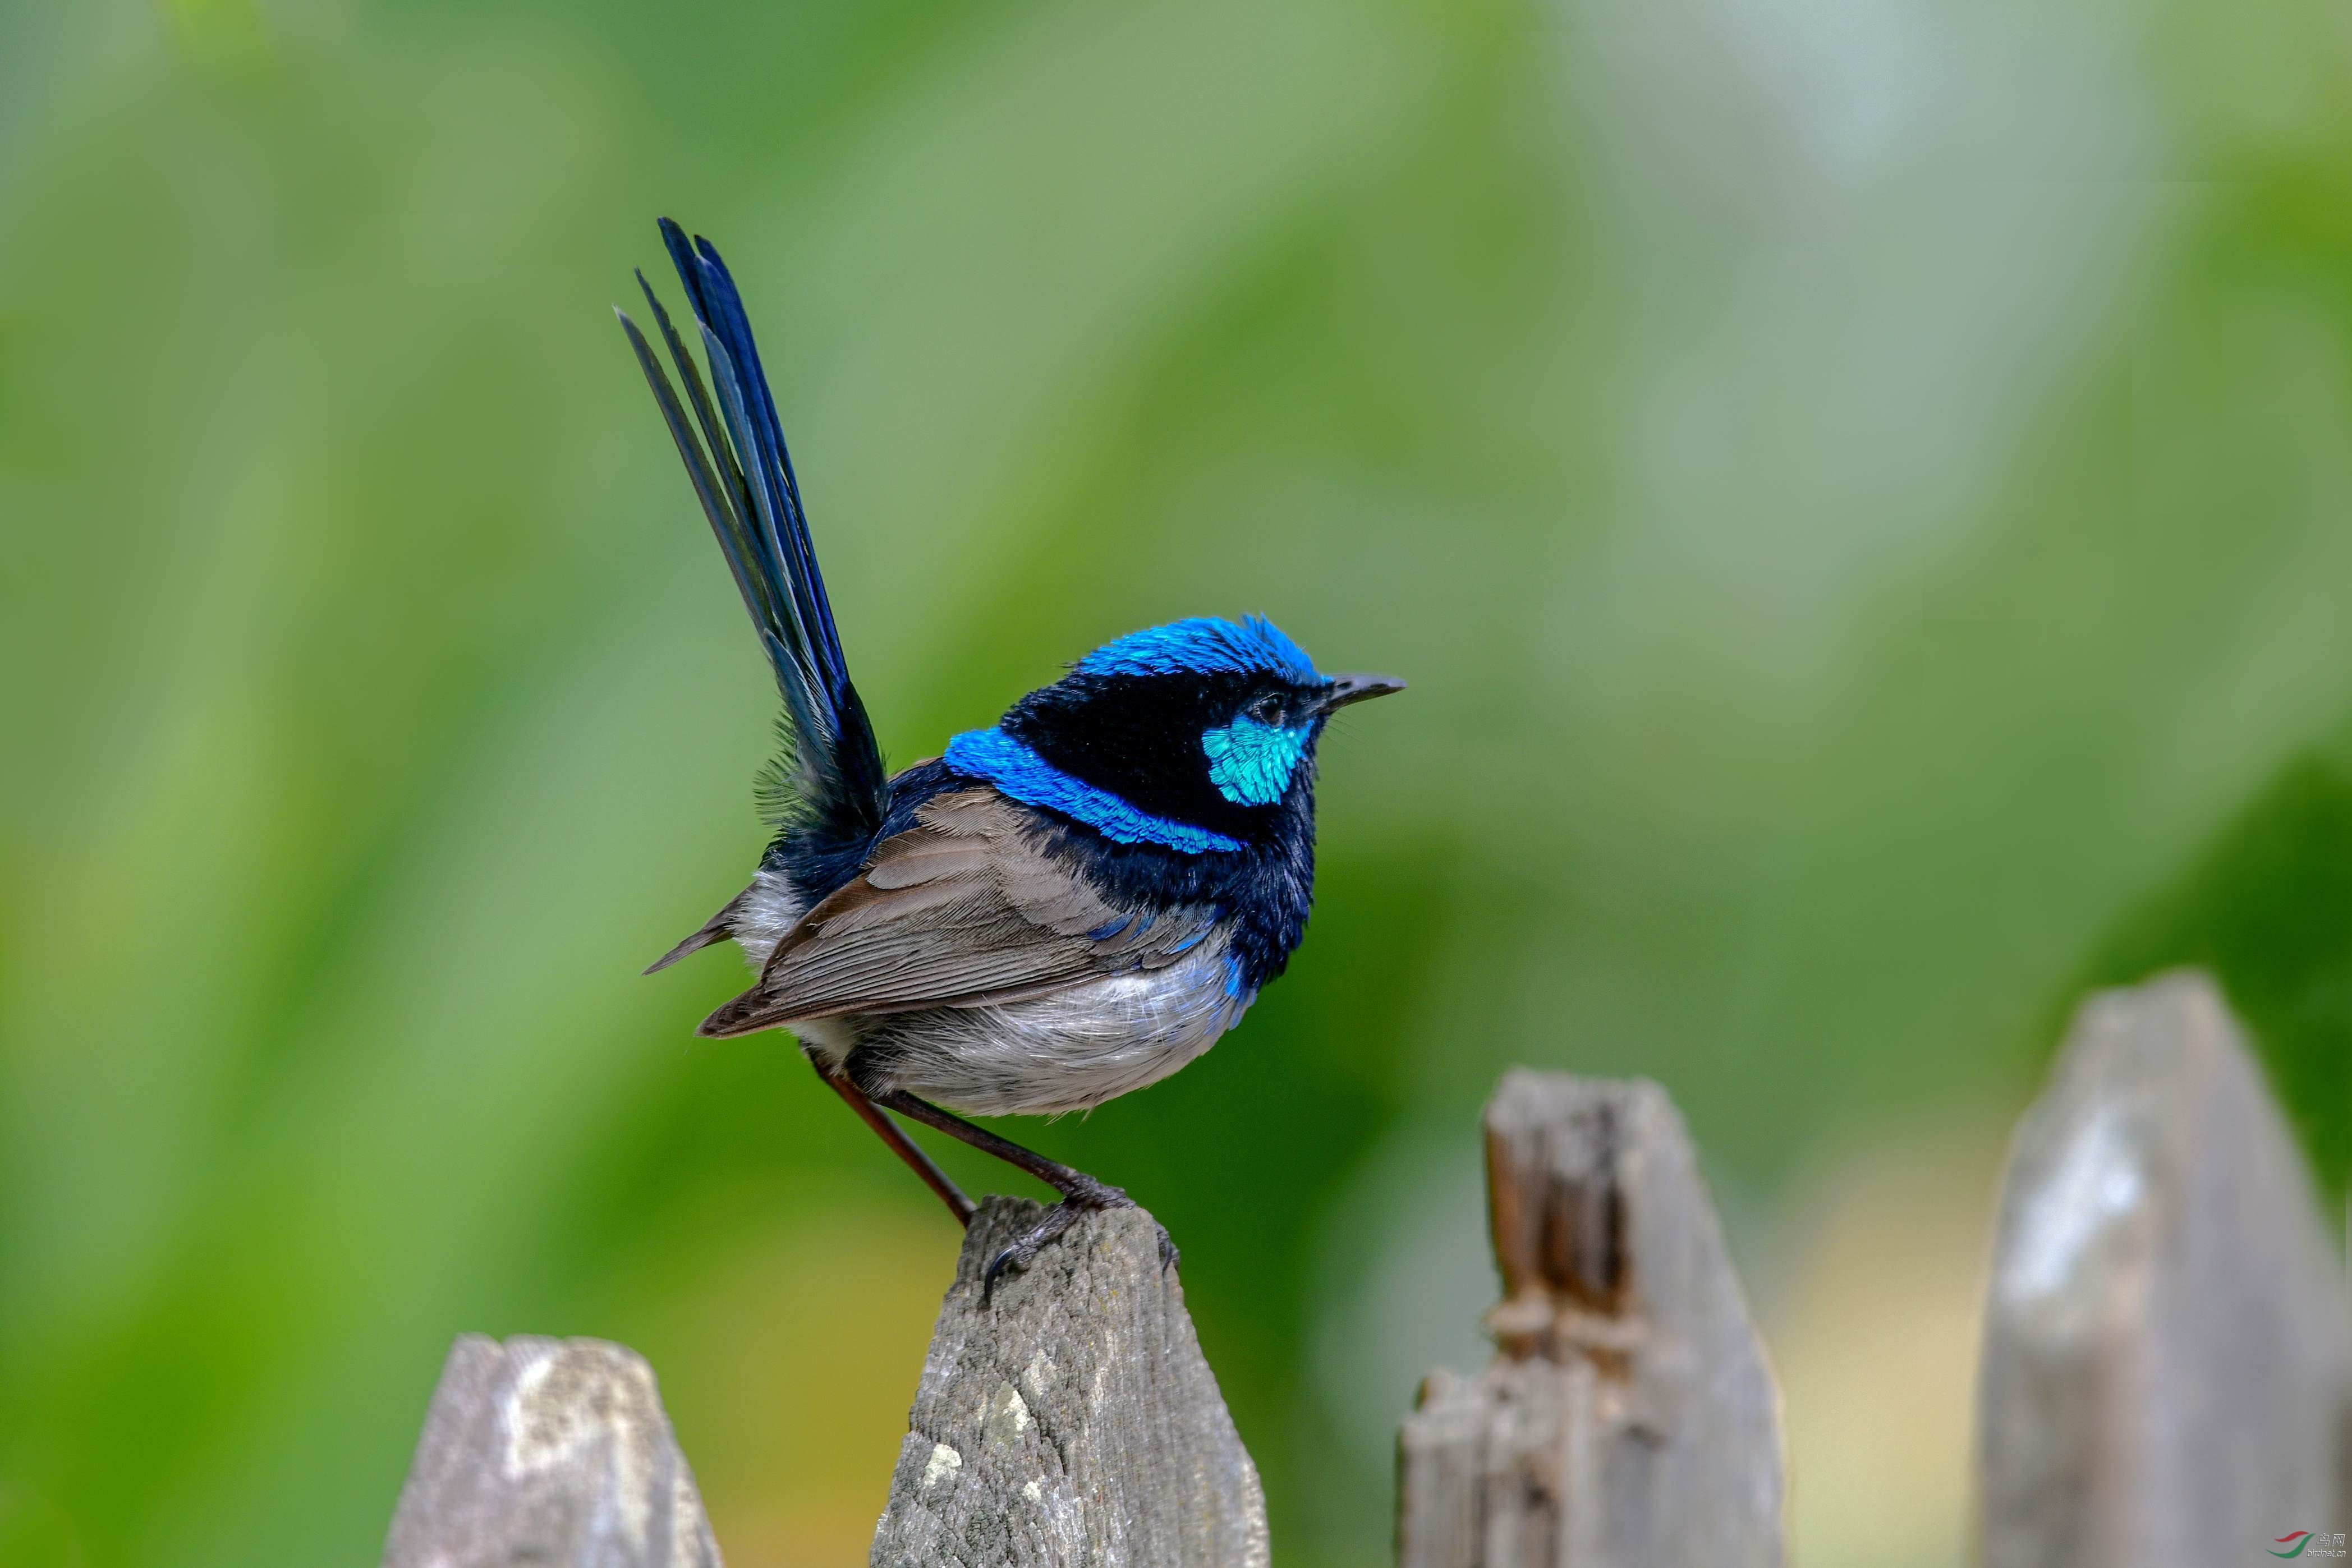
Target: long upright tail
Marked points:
743	476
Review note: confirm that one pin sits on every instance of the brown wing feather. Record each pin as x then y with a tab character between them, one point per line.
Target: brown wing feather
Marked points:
960	911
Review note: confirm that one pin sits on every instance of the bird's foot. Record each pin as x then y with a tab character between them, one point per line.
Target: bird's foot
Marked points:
1083	1197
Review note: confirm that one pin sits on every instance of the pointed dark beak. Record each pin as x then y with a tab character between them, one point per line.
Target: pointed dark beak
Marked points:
1346	689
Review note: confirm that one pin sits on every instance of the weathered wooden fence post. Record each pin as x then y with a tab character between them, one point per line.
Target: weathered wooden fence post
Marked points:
2167	1376
2166	1381
555	1453
1073	1421
1629	1420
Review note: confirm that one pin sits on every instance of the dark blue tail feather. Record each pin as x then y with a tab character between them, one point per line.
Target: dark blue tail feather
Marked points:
742	471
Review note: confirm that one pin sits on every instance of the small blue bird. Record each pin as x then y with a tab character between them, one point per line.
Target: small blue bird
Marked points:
1064	907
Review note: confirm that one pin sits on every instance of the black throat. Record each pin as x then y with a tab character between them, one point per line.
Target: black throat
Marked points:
1140	737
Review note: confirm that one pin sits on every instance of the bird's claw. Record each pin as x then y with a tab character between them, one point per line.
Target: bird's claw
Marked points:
1026	1248
1093	1196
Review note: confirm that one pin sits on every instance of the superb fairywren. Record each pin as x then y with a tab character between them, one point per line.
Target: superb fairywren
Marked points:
1070	904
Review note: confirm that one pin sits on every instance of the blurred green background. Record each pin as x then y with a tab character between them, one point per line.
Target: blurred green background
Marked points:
1863	489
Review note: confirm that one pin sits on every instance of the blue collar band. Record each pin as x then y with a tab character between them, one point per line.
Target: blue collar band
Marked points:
1020	772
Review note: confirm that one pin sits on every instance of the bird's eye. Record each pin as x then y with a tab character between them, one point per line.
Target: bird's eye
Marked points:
1267	709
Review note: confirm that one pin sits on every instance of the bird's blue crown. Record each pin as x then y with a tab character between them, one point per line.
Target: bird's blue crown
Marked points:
1203	645
1186	734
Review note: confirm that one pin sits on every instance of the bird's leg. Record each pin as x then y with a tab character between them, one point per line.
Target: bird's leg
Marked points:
1068	1180
1079	1191
904	1147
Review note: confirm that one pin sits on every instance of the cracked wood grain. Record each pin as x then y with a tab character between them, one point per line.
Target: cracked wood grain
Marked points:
1073	1421
1630	1417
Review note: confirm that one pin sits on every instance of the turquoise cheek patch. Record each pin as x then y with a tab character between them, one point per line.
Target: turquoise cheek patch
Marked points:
1251	763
